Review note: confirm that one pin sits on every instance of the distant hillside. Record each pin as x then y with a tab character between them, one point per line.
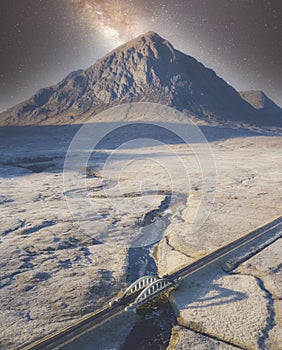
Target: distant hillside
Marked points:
147	68
260	101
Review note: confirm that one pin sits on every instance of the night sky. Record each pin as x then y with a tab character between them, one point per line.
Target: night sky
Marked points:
41	41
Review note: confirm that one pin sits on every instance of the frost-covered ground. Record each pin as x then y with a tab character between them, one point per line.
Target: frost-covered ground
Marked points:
51	270
59	260
238	310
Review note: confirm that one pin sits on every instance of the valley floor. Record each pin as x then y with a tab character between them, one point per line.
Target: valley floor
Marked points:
60	261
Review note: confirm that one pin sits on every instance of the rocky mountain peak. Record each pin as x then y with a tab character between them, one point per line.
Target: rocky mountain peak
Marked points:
137	63
147	68
149	45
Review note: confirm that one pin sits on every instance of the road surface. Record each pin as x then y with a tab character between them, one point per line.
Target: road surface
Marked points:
95	319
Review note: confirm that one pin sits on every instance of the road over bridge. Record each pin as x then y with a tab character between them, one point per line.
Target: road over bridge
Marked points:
147	288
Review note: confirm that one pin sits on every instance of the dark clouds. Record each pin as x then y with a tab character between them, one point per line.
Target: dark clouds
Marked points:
42	40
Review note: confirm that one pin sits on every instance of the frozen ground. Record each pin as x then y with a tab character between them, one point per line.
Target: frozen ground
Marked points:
267	268
59	260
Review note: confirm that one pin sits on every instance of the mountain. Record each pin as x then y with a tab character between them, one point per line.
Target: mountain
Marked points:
147	68
260	101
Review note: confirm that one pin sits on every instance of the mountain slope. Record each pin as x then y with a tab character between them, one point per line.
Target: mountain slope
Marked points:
147	68
260	101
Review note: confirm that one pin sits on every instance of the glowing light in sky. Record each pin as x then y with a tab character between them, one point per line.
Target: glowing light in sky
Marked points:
113	19
42	41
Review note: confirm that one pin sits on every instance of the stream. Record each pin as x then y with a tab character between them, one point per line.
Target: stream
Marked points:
153	331
154	328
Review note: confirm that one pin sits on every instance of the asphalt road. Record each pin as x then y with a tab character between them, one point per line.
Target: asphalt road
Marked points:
97	318
270	228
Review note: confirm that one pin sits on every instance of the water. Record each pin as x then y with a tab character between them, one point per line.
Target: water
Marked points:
141	263
153	331
140	256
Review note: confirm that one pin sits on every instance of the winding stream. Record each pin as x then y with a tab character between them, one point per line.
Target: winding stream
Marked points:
153	331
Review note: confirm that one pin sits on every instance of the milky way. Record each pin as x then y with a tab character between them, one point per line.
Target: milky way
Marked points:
41	41
117	20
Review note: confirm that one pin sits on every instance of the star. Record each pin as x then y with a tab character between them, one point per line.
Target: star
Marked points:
240	40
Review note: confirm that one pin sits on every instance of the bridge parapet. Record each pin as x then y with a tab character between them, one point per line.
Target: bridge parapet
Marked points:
136	286
139	284
158	286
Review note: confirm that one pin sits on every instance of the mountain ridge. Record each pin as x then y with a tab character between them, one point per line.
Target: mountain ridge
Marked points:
147	68
260	101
